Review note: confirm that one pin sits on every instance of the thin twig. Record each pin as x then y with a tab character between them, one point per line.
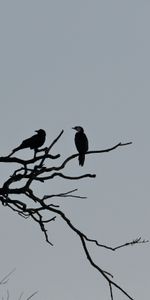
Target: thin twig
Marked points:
40	222
65	194
5	279
31	296
133	242
111	292
50	147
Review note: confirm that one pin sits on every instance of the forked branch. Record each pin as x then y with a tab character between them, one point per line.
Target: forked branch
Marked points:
35	170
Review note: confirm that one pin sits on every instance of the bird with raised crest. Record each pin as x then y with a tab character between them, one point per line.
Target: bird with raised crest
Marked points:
81	143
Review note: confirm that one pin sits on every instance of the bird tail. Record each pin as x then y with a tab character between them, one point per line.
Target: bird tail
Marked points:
81	159
14	150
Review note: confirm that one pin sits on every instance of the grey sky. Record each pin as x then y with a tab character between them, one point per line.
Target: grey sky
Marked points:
67	63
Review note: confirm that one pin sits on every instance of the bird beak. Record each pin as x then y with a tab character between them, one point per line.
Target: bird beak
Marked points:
36	131
73	128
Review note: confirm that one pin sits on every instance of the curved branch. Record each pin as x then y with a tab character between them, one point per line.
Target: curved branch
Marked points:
35	173
82	238
76	155
133	242
64	176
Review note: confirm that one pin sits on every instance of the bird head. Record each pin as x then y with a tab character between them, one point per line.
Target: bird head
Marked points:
78	128
41	131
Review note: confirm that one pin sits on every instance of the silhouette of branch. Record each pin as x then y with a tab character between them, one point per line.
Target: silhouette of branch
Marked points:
42	226
20	297
31	296
37	172
34	174
110	282
62	166
24	162
5	279
66	194
133	242
64	176
82	237
9	159
50	147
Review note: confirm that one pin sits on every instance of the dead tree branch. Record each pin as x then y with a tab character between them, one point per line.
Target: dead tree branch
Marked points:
34	170
5	279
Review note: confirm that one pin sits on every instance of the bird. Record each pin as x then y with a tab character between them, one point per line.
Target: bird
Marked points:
81	143
34	142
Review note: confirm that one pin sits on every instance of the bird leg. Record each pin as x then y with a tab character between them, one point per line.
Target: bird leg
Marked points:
35	151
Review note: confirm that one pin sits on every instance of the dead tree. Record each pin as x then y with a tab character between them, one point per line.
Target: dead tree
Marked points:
35	170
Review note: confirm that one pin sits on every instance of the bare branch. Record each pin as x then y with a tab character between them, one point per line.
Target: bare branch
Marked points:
87	153
5	279
37	172
50	147
82	238
31	296
111	293
66	194
41	223
7	159
110	282
65	176
133	242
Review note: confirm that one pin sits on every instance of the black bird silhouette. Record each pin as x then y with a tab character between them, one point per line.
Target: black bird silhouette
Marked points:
81	143
34	142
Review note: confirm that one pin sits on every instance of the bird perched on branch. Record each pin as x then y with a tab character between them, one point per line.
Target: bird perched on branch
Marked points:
81	143
34	142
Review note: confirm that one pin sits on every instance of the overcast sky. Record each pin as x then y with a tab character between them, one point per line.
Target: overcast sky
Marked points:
67	63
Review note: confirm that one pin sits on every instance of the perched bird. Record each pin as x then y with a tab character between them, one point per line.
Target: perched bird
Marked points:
34	142
81	143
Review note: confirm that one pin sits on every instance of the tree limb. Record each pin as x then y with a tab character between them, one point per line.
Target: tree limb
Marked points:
37	172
